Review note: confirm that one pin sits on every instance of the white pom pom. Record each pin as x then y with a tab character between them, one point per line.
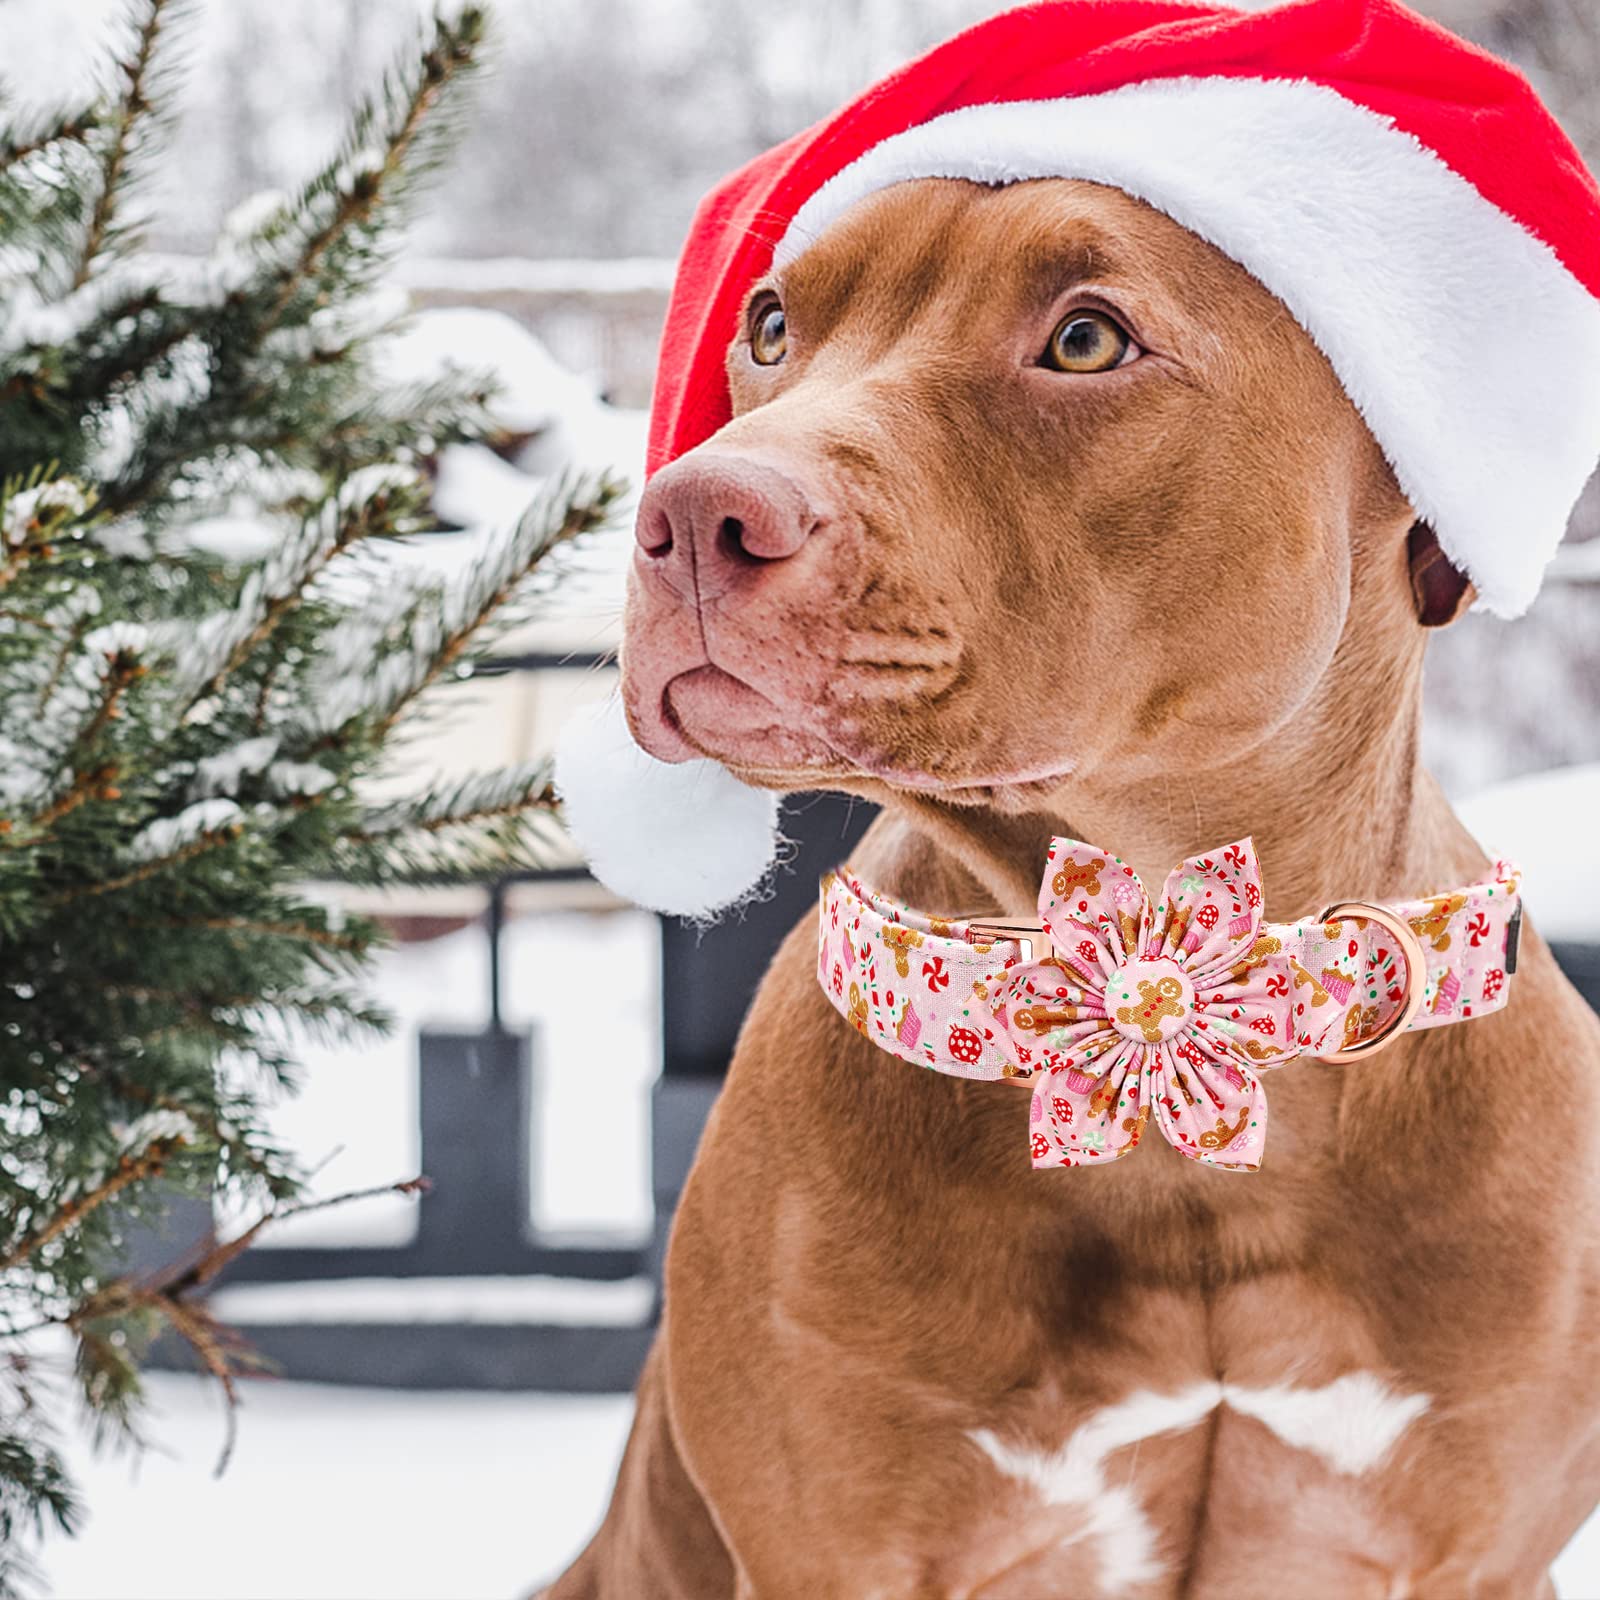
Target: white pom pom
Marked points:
686	840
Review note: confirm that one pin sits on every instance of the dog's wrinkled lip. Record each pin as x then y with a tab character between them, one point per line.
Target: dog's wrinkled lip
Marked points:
709	712
724	718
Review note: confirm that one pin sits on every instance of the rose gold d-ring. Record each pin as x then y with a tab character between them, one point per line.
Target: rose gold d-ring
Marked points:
1025	931
1021	930
1416	976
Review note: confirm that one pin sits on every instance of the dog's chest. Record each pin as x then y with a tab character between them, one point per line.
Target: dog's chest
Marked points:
1185	1490
1203	1441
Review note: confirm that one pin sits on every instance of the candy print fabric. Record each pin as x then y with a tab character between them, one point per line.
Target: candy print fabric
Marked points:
916	986
1149	1010
1126	1011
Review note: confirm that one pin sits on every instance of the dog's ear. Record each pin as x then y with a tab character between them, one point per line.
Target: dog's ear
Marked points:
1439	589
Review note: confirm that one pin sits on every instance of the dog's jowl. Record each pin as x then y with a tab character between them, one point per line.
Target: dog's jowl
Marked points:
1076	440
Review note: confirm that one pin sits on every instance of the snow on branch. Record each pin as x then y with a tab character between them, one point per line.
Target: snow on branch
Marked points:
474	828
396	139
375	503
135	105
498	588
480	824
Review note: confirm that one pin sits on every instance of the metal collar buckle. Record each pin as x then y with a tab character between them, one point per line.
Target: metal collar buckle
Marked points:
1019	930
1410	948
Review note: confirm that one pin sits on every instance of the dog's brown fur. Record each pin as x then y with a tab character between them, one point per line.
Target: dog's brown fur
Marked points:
1158	608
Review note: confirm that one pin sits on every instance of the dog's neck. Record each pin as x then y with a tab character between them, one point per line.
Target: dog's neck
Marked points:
1336	800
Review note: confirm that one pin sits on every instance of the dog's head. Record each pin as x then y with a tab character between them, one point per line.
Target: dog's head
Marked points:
1020	482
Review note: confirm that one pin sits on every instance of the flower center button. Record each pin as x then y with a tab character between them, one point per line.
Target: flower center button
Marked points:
1149	1001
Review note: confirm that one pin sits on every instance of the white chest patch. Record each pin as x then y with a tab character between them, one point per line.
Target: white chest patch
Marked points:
1074	1475
1350	1424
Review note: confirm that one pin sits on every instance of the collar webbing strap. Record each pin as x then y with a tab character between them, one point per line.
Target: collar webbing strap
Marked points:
1115	994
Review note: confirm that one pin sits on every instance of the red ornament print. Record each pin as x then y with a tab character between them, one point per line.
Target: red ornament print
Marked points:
965	1045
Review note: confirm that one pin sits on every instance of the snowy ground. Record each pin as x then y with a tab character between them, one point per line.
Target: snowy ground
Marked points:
345	1494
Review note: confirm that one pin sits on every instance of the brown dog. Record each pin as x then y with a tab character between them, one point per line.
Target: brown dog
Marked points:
921	567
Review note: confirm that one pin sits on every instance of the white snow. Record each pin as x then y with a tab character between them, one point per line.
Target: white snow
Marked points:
298	778
1549	824
167	834
23	779
535	394
567	1302
145	1130
535	391
234	538
475	487
223	772
27	506
569	429
383	477
343	1494
116	638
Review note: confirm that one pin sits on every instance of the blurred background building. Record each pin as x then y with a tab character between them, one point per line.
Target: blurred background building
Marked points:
547	255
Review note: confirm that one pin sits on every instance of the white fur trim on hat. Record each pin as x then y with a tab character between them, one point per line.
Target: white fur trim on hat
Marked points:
686	840
1468	347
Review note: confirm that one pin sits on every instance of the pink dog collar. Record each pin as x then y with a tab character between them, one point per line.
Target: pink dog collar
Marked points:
1119	1009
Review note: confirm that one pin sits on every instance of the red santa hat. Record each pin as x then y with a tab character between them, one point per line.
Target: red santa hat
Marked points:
1404	194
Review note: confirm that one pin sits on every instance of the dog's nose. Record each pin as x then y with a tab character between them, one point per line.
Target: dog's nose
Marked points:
710	518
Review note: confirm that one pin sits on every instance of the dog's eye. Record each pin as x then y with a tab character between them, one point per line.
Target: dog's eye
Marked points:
1088	341
769	333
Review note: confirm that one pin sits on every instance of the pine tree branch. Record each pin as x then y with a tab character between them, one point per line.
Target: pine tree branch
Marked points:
67	130
303	932
365	519
64	655
94	781
586	508
237	1146
129	1170
184	999
209	840
545	800
452	51
308	1005
170	1294
134	106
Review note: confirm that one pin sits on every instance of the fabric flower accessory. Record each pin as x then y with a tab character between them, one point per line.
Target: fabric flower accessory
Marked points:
1141	1010
1113	1011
